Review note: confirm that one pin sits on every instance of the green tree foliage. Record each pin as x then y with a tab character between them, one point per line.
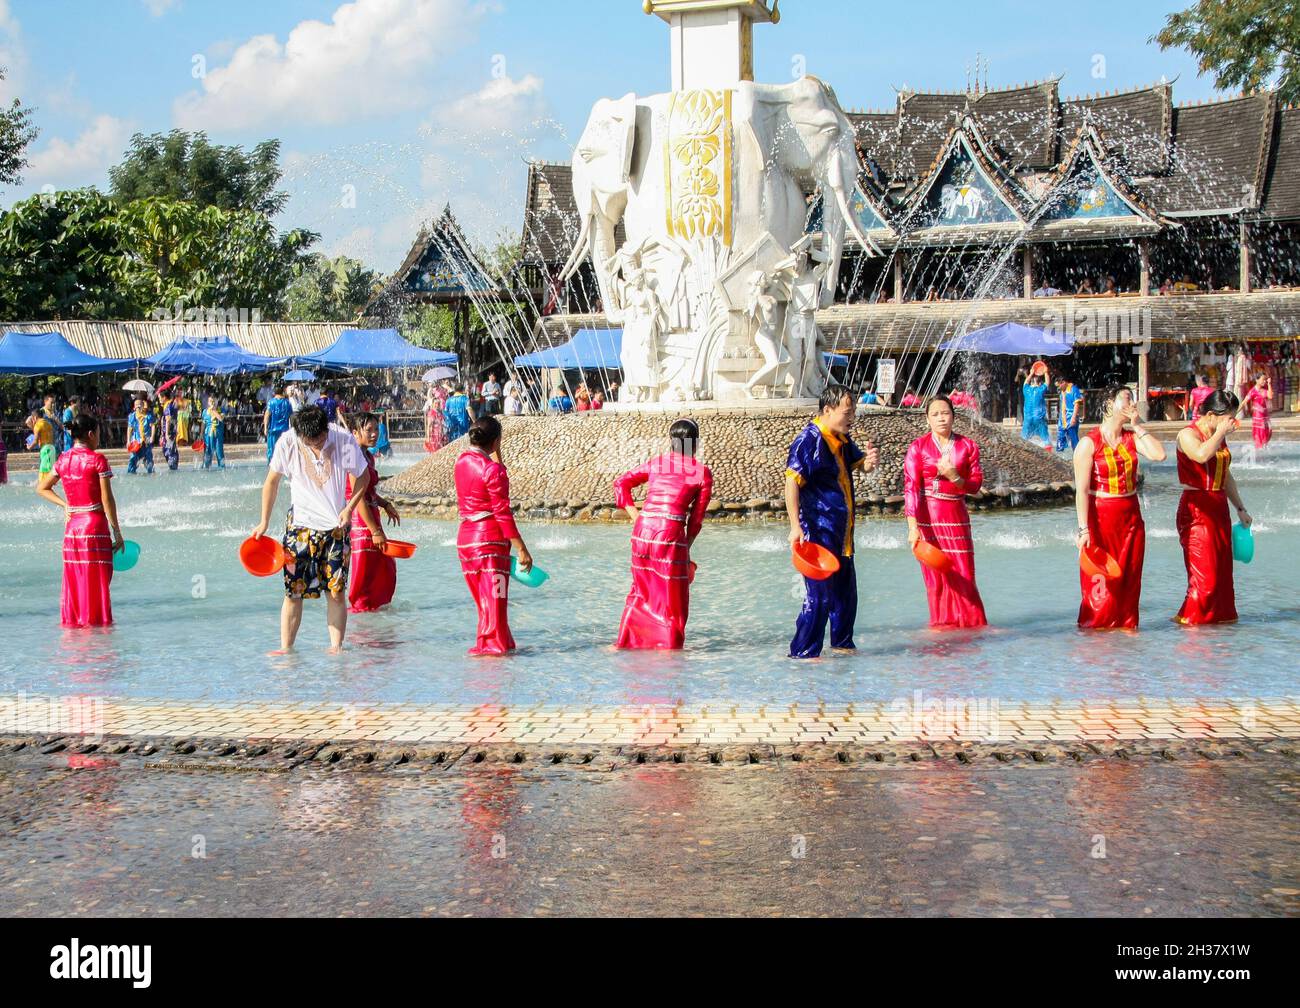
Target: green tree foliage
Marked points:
186	167
16	132
429	325
329	290
60	257
1246	44
79	254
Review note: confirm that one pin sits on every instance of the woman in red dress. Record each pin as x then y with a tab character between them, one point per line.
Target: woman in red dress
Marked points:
1259	401
1204	527
92	534
487	531
664	527
1110	518
940	469
373	578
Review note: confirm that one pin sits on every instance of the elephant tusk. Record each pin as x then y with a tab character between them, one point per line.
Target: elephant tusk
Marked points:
851	222
580	249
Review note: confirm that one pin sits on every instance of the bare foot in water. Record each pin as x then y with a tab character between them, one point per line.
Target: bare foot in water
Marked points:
278	652
334	649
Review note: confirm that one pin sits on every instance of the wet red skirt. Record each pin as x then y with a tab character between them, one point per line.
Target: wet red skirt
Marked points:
954	599
87	571
1115	525
373	578
1205	530
485	561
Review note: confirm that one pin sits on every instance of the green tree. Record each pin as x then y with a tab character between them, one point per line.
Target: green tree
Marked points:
1246	44
80	254
60	257
428	325
329	290
179	253
186	166
16	132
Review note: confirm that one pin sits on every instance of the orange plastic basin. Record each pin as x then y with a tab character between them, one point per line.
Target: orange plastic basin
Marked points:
1095	561
398	550
813	561
932	556
262	556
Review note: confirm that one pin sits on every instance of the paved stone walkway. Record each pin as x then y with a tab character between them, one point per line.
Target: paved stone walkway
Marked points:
915	719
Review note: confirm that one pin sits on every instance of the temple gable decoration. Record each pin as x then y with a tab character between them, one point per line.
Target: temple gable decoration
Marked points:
965	187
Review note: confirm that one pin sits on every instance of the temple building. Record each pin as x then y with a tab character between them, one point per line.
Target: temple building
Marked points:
1163	236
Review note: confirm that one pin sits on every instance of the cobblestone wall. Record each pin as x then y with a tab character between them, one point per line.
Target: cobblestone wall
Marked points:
563	467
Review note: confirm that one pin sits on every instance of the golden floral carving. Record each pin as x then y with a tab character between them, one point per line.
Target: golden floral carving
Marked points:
697	165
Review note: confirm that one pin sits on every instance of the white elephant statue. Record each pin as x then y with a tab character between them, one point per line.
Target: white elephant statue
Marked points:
706	178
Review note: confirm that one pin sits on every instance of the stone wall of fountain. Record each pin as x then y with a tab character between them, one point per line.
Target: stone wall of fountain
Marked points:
563	467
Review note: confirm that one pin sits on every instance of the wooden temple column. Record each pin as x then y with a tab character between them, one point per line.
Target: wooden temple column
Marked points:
1144	379
900	283
1144	266
1029	271
1244	281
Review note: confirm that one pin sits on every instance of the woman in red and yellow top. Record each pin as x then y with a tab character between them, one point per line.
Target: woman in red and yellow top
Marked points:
1105	501
1204	527
487	531
940	469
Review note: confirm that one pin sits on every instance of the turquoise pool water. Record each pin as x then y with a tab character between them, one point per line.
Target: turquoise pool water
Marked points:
192	625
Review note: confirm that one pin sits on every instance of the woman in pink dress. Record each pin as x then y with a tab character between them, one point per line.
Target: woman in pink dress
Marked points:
92	534
941	468
664	527
1258	400
435	420
487	531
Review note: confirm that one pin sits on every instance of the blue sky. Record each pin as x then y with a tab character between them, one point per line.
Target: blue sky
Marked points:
387	109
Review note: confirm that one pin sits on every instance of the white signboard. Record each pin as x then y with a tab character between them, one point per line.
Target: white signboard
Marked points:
885	370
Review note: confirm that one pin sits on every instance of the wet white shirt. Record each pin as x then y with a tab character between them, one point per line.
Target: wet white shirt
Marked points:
318	485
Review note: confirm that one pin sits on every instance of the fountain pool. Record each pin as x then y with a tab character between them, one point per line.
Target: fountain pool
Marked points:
191	625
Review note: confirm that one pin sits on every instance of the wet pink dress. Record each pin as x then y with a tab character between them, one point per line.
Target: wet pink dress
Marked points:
939	508
483	545
373	577
1261	427
677	494
87	542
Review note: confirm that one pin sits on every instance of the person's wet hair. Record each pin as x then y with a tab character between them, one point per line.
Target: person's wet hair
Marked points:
832	395
684	437
358	421
82	425
310	422
484	432
1221	403
939	398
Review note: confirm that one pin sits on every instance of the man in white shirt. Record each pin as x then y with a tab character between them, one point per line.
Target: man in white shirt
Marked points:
318	458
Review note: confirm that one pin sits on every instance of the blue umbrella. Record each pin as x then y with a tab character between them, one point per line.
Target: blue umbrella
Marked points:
300	374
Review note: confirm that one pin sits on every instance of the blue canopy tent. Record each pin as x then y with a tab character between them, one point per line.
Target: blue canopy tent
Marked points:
49	353
1014	339
213	355
589	348
356	349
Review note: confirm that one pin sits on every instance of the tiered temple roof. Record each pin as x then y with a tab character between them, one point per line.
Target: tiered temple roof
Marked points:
1239	156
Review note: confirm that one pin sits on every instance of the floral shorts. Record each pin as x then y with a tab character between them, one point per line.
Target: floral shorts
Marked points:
318	561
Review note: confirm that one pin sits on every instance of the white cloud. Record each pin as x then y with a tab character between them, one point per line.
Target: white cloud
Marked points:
501	104
82	161
374	57
159	7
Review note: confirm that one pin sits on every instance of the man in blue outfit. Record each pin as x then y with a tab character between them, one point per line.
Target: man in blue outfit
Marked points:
1071	412
275	421
819	502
